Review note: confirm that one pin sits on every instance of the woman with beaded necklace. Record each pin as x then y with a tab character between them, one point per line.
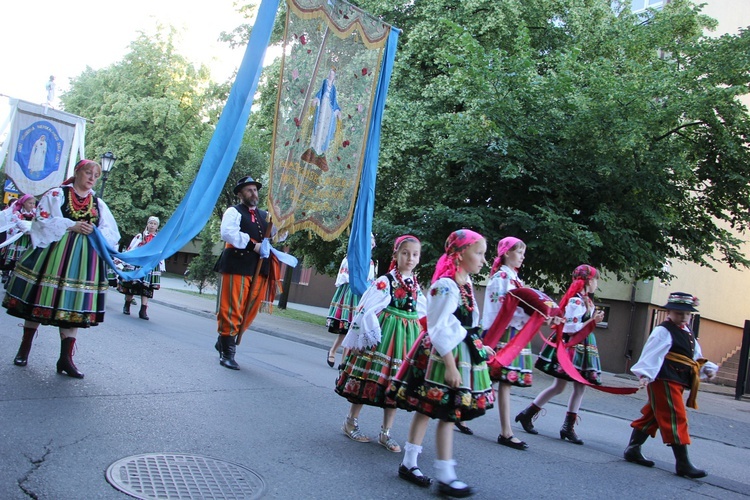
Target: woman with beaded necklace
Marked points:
383	330
445	375
62	281
152	281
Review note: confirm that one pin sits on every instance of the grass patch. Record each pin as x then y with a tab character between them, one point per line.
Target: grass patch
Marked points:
307	317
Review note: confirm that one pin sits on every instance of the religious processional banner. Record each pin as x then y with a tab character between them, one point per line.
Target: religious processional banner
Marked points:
38	150
331	67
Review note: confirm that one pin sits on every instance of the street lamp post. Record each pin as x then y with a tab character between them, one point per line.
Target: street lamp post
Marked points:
108	161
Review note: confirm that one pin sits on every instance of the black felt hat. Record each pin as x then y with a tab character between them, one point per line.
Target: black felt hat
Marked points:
244	182
680	301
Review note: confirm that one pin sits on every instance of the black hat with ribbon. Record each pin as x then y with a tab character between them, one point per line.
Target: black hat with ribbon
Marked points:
681	301
244	182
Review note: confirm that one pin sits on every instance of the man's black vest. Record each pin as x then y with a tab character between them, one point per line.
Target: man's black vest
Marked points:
682	343
244	260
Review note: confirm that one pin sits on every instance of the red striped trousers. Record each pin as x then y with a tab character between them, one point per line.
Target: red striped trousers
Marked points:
666	412
237	308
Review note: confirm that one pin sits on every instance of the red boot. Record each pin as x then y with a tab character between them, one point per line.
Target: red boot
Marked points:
65	363
23	352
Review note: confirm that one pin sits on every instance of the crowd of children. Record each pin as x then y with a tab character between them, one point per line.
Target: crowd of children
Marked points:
427	355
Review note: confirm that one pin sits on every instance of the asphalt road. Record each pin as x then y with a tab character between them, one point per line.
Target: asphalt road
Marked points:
157	387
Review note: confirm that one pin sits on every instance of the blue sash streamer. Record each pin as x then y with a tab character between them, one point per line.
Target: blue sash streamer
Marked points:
359	252
199	201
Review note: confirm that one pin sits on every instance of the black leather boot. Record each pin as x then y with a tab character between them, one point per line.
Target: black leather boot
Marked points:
633	451
526	417
567	431
142	313
126	307
228	348
23	352
217	346
683	467
65	363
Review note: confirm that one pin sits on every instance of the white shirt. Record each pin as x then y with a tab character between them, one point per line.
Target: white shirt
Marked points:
656	348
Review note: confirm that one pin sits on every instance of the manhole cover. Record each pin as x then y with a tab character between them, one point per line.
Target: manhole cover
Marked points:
174	476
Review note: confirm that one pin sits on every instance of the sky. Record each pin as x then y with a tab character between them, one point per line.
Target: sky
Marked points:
51	37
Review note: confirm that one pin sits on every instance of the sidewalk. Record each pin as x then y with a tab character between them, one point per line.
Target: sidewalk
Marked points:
172	294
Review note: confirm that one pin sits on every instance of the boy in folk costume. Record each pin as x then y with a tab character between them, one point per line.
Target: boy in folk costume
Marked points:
671	361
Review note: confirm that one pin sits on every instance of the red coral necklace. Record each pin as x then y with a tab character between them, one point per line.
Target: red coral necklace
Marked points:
467	296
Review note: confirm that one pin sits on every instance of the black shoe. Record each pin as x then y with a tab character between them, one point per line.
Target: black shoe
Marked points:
447	489
331	359
409	475
228	348
521	445
683	467
464	429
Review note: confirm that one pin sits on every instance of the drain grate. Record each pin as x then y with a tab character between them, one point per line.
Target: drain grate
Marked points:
172	476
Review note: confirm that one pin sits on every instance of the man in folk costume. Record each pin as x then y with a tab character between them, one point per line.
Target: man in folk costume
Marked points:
242	228
671	361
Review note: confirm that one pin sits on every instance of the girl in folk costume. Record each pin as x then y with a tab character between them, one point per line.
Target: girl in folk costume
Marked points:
343	305
445	375
152	281
581	318
62	281
382	332
671	361
503	278
17	223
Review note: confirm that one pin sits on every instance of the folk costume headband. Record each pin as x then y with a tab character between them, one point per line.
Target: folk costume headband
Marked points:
81	164
581	276
18	204
397	244
457	242
150	219
503	246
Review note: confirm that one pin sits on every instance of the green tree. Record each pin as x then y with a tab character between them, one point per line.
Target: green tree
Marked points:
595	136
151	109
201	272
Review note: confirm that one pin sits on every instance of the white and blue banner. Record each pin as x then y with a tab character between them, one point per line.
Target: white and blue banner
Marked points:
38	151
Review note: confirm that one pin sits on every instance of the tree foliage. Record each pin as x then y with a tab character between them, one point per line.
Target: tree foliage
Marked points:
151	109
593	135
201	272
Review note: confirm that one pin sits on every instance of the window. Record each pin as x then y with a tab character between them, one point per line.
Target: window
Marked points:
639	5
605	322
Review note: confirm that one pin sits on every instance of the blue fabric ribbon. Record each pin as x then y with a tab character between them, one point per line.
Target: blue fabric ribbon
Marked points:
199	201
359	252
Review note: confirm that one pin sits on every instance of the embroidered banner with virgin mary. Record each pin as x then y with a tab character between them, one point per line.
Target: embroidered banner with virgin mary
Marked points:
43	145
330	72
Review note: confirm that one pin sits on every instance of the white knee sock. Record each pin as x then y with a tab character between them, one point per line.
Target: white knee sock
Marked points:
411	453
445	471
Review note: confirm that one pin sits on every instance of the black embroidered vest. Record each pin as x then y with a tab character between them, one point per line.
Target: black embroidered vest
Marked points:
682	343
243	261
400	298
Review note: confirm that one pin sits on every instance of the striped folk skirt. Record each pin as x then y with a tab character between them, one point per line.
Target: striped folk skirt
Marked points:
366	375
144	286
420	385
585	359
10	254
64	284
519	371
343	305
